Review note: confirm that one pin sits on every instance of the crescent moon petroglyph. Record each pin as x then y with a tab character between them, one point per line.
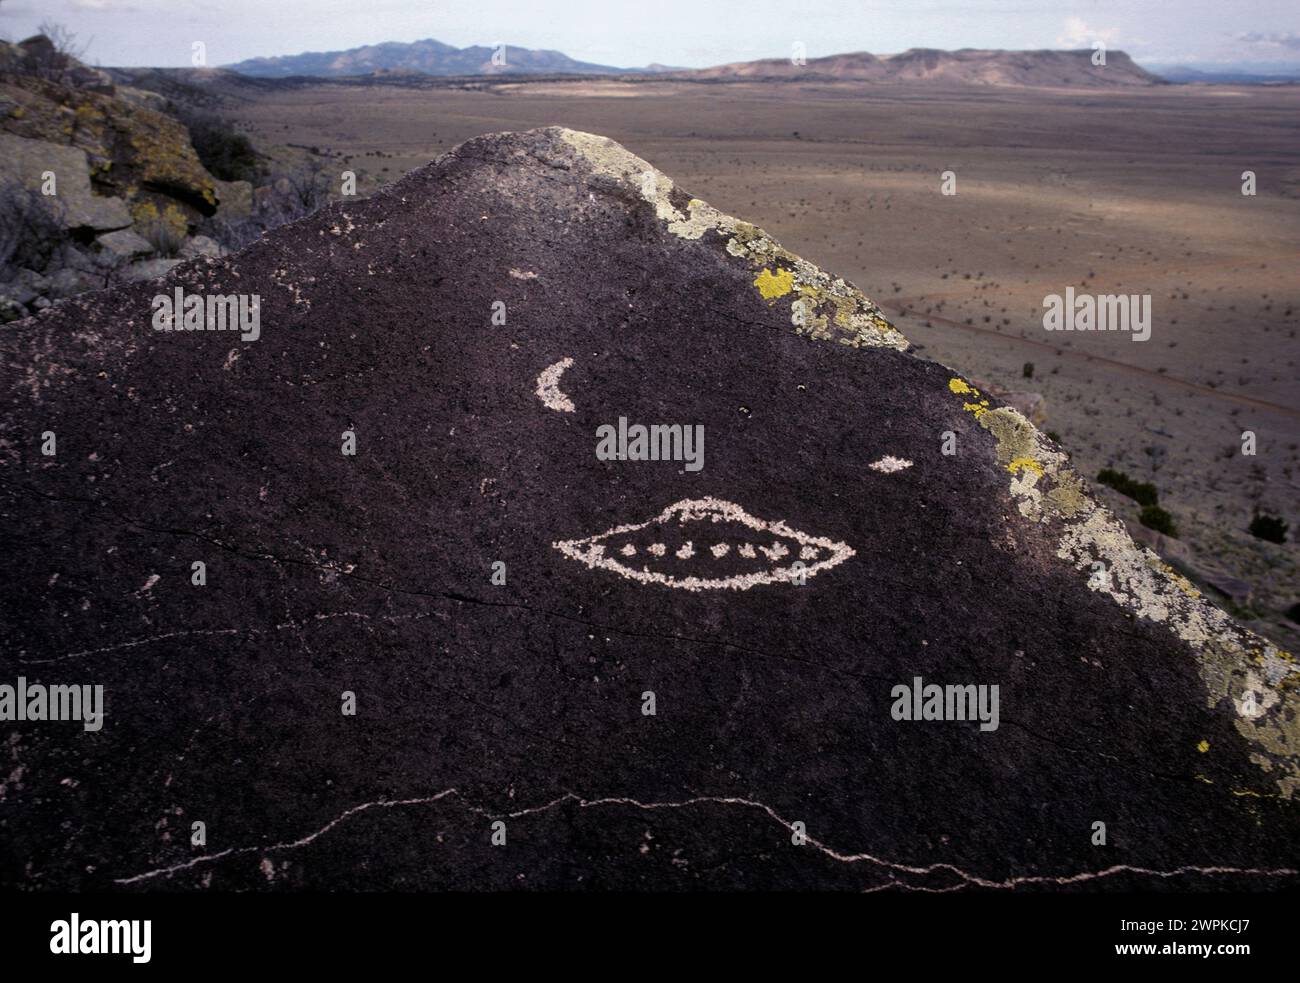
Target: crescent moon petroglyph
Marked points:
548	387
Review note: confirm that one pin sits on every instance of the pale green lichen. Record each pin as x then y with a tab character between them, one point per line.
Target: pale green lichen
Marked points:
1242	672
821	306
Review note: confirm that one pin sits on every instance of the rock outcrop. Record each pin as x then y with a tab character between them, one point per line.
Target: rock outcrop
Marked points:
364	588
113	172
76	207
134	153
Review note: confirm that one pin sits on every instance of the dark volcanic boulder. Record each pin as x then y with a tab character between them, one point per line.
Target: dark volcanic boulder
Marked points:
641	673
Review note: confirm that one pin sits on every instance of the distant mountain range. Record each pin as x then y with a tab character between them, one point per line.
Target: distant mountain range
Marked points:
968	66
427	57
1230	74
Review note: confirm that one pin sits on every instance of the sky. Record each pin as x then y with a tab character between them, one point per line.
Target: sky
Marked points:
686	33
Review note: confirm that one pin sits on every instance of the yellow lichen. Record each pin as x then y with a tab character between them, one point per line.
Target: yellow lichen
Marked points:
772	285
150	223
1181	582
1021	463
145	211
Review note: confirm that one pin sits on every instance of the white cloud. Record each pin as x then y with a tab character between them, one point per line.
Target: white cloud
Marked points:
1290	42
1079	35
105	5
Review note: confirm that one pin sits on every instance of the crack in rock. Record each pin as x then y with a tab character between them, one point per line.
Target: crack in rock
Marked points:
968	879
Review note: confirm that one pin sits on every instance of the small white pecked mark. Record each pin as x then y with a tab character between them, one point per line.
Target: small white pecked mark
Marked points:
889	464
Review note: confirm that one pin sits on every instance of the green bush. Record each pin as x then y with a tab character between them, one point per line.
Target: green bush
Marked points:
1268	527
1142	492
223	150
1154	517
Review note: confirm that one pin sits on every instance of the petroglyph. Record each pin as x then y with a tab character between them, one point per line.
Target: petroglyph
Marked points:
717	525
890	465
548	387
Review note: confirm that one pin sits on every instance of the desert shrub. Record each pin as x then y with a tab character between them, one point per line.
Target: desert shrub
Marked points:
50	53
1268	527
1028	370
1142	492
302	190
1054	435
223	150
235	233
31	235
289	196
167	242
1293	612
166	231
1154	517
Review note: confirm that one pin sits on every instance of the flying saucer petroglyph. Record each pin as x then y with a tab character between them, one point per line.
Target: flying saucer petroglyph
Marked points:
708	544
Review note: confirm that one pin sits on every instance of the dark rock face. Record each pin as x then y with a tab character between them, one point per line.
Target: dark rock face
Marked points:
1123	698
